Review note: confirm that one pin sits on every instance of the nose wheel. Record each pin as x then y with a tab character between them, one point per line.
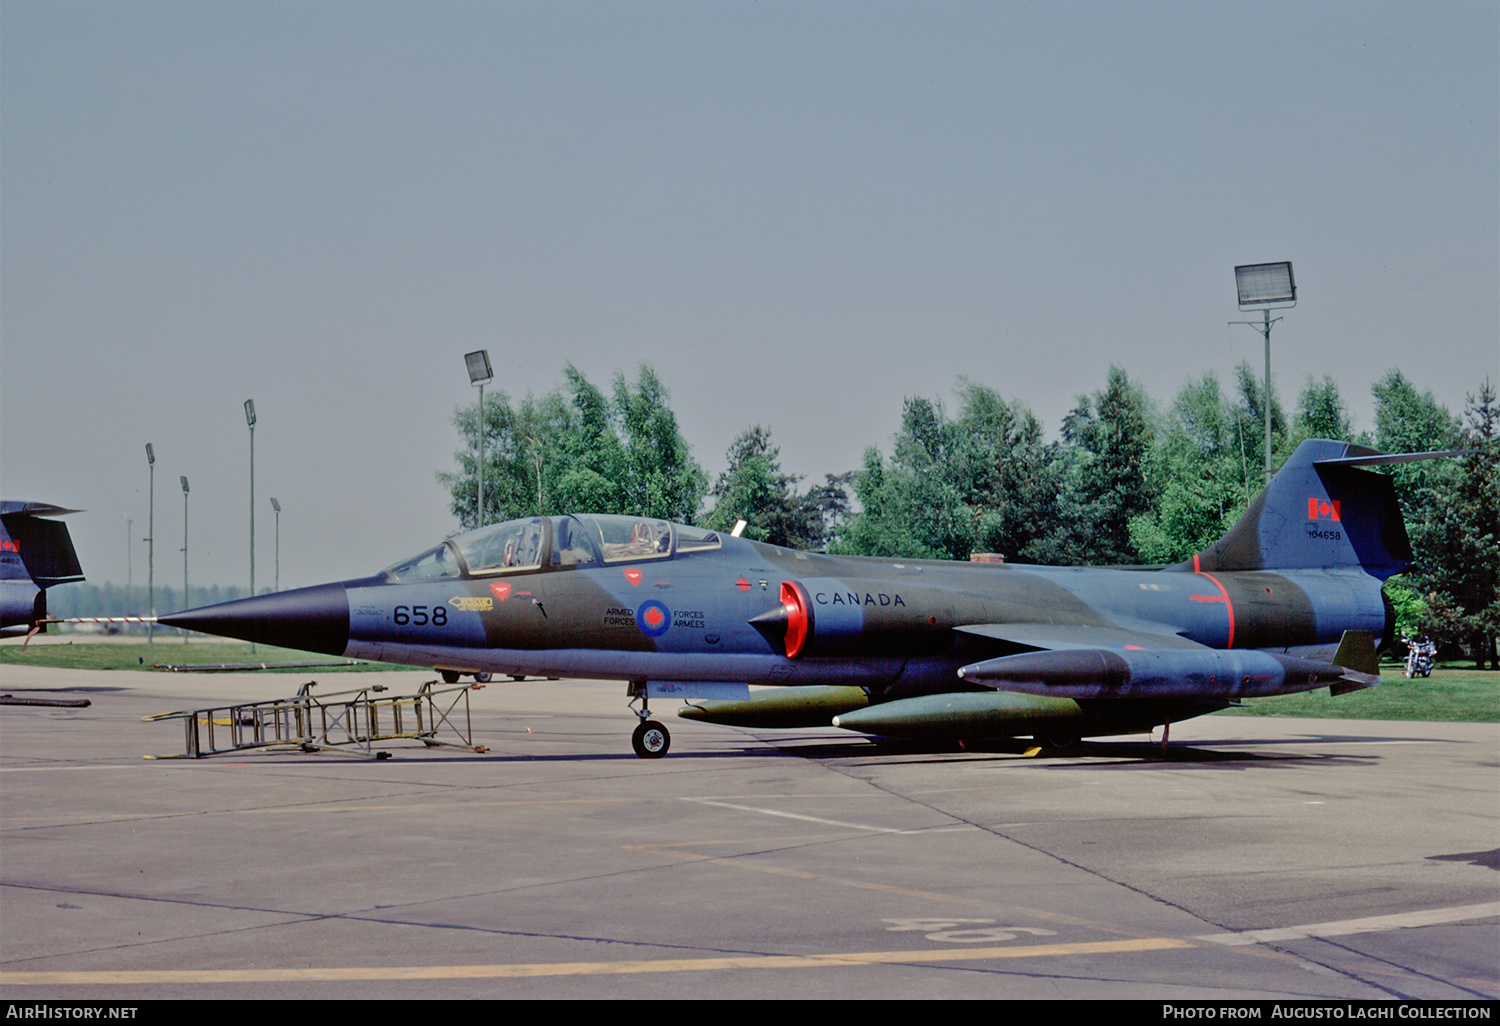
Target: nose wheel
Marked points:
650	739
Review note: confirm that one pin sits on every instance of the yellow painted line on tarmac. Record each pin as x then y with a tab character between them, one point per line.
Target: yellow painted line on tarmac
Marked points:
1427	917
1368	924
541	969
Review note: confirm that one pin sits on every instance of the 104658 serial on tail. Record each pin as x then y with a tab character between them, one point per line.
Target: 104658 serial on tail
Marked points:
1289	600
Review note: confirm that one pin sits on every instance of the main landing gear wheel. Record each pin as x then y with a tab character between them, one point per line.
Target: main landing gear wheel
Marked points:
452	676
650	740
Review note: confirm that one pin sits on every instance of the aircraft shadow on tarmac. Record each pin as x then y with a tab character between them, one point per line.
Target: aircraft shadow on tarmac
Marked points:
1091	753
1486	859
1002	751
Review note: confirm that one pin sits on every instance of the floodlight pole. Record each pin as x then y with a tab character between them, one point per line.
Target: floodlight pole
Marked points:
1261	285
151	548
479	510
250	420
480	372
186	602
1265	329
277	507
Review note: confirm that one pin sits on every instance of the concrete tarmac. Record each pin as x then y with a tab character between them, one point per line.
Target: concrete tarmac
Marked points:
1259	858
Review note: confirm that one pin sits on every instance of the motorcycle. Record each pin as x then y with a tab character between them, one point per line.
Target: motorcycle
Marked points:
1420	655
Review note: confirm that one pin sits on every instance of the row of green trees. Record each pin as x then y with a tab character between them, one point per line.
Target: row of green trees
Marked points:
577	448
1128	482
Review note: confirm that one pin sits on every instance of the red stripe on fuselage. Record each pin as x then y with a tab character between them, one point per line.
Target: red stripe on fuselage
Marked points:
1222	596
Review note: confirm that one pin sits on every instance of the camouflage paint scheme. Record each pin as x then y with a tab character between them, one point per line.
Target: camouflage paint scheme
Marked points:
1289	600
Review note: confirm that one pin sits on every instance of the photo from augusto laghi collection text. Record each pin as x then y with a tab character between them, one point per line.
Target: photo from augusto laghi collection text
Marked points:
1328	1010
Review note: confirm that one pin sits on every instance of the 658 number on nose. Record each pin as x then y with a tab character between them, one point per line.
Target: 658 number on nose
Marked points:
420	616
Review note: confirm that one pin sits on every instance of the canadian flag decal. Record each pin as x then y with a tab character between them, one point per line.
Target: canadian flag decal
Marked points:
1322	509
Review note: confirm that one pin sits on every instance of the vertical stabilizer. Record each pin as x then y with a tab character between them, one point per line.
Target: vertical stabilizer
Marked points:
34	555
1319	511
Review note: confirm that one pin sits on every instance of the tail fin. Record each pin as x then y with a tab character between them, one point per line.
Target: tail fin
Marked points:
36	549
34	555
1319	511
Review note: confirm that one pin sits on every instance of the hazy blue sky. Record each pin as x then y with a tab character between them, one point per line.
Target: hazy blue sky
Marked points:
799	213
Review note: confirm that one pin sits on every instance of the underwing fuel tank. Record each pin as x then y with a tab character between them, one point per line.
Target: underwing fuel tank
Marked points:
1156	673
981	714
813	706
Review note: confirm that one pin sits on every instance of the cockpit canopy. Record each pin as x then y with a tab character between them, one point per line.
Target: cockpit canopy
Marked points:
553	543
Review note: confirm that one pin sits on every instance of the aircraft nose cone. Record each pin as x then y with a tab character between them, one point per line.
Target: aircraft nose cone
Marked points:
312	619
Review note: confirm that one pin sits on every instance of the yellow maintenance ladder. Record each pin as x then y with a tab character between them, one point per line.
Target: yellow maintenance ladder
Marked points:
341	721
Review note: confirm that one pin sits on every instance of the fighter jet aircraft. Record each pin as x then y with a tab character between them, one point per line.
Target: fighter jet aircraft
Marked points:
1289	600
35	554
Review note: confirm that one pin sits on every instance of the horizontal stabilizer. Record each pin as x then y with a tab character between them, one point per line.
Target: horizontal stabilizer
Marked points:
1373	458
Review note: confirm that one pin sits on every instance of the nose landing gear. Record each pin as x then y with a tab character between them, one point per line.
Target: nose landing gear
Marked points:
650	739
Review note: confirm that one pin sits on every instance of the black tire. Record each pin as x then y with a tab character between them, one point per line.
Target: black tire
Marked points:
650	740
449	676
482	678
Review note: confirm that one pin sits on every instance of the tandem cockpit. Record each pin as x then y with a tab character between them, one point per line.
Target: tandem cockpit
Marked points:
553	543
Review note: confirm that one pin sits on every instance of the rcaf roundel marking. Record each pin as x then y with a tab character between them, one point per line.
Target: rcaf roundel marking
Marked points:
653	618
